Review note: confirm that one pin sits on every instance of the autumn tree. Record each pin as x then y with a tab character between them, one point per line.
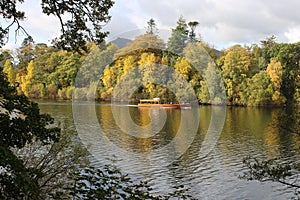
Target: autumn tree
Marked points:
184	68
10	72
236	67
26	81
275	70
129	63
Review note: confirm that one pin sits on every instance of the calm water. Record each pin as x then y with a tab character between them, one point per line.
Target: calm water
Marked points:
171	148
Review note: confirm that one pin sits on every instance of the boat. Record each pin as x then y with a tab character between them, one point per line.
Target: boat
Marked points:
156	103
186	106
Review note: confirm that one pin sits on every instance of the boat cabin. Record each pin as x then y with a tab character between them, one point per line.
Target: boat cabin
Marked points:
150	101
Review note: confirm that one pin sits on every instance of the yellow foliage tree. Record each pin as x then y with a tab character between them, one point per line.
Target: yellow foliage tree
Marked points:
274	70
9	71
236	67
129	63
147	59
165	60
183	67
27	80
108	77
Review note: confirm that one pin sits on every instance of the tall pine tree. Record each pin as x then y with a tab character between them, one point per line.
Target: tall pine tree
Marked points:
179	37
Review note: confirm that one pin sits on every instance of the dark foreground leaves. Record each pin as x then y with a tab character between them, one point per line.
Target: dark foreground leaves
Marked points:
273	170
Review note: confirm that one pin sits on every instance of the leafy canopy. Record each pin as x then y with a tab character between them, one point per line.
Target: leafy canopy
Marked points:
20	123
80	20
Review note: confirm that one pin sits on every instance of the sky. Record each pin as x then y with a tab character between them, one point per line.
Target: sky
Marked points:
222	23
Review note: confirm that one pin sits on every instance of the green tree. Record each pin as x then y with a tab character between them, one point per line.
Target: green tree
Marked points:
297	92
21	123
214	85
192	34
151	29
289	56
5	55
79	20
259	58
269	42
199	58
94	64
109	183
66	70
272	170
267	47
257	90
25	53
179	37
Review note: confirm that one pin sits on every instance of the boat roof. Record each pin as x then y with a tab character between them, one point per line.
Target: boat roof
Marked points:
150	100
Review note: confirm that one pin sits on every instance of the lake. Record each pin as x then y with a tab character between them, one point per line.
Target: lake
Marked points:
201	148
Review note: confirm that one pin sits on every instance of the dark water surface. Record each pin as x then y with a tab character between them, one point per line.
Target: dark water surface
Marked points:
168	147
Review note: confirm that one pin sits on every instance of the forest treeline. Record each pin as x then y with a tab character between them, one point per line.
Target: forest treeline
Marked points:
267	73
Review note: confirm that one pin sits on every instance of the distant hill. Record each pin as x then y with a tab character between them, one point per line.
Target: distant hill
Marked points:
218	53
121	42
